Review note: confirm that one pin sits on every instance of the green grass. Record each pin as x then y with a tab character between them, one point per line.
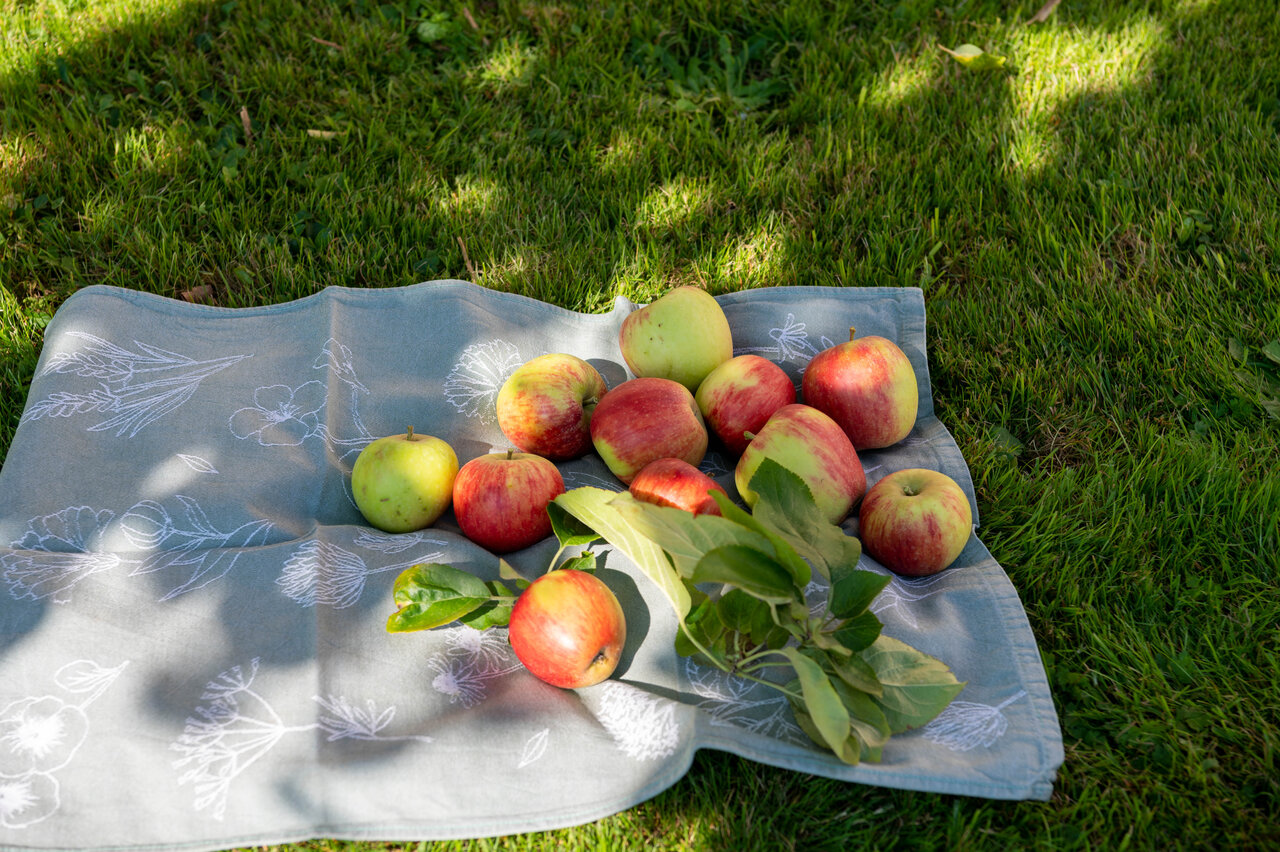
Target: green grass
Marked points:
1095	228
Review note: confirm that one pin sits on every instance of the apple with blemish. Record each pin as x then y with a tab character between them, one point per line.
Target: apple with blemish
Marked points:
500	499
643	420
915	522
868	386
814	447
403	483
545	406
739	397
682	336
568	629
676	483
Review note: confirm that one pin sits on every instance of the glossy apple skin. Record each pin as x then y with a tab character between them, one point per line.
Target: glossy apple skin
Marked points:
915	522
811	445
868	386
676	483
545	406
682	335
740	396
568	629
643	420
500	499
403	483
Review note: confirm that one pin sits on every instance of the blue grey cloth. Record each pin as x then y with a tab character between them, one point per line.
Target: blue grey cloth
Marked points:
192	642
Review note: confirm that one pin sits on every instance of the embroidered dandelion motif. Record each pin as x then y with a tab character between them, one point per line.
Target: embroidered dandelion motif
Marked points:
965	725
236	726
643	726
323	573
472	659
473	384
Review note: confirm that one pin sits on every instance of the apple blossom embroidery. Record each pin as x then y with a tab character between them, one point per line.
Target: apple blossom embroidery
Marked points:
471	659
322	573
472	385
39	736
289	416
643	726
737	702
134	387
237	726
965	725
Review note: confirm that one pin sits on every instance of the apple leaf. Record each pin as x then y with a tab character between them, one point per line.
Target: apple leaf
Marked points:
786	554
687	537
431	595
570	531
865	716
821	701
746	568
507	572
594	507
973	57
916	686
785	505
859	631
853	590
489	614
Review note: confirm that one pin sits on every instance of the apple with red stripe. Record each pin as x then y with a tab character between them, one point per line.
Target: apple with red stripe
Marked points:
568	629
676	483
915	522
500	499
740	396
646	419
811	445
868	386
545	406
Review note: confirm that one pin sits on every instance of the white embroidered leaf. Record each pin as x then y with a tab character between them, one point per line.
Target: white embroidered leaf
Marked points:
534	748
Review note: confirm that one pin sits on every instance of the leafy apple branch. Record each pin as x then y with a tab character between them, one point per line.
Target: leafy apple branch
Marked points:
737	584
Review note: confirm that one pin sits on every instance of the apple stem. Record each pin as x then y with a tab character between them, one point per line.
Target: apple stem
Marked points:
409	433
510	454
851	330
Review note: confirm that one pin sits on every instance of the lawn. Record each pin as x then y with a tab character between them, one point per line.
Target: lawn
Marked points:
1094	225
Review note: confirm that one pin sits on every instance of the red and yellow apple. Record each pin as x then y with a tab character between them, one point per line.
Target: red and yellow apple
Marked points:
811	445
682	335
500	499
403	483
545	406
915	522
740	396
675	482
568	629
868	386
643	420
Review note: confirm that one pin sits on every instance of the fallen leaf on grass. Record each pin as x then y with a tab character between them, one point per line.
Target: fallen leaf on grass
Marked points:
323	134
973	57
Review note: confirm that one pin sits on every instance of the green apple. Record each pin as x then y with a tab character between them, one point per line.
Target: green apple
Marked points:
812	446
682	336
403	483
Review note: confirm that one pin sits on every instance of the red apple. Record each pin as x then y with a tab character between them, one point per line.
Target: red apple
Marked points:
675	482
811	445
683	336
915	522
545	406
740	396
501	499
868	386
567	628
647	419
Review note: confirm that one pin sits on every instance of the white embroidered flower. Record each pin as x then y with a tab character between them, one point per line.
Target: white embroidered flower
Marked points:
27	800
281	416
39	735
473	384
458	678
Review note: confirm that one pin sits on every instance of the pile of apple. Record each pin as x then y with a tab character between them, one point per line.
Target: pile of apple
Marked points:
653	431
